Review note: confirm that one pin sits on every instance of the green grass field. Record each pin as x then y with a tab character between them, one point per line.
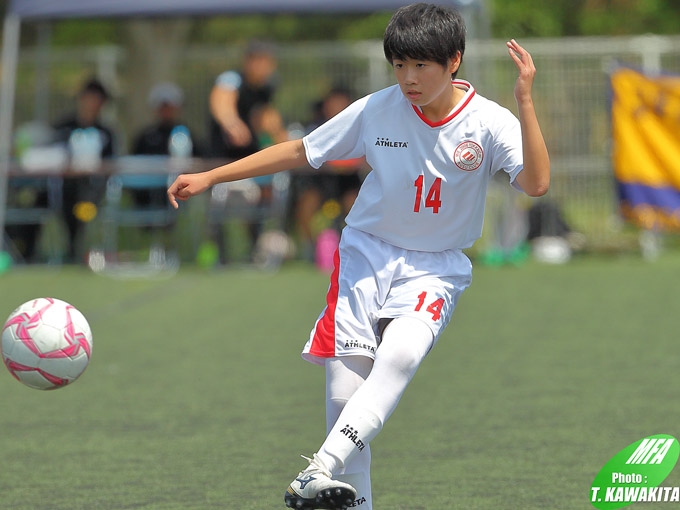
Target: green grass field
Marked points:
197	398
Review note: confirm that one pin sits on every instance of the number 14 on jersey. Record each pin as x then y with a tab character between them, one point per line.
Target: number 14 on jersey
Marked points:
433	197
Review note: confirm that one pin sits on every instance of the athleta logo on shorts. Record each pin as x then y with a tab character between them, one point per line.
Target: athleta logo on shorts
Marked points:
385	142
353	344
468	156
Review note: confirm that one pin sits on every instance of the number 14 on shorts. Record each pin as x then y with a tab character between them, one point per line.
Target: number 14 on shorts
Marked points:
434	307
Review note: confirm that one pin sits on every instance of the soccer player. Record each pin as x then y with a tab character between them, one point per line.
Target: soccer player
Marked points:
433	143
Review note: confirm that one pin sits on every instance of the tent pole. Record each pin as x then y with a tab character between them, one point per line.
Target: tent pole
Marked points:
42	73
10	54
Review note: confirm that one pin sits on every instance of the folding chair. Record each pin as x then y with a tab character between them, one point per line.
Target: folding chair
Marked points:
240	200
137	174
39	213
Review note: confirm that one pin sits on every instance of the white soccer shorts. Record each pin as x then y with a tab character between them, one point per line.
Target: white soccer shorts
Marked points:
374	281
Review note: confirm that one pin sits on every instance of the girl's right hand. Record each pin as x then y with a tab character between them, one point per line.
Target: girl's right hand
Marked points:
187	185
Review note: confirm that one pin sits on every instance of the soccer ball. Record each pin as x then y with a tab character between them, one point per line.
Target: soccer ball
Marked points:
46	343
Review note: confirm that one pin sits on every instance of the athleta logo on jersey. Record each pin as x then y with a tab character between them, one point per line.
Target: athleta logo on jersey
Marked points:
385	142
468	156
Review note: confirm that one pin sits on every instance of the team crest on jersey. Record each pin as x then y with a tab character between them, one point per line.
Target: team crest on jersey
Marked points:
468	156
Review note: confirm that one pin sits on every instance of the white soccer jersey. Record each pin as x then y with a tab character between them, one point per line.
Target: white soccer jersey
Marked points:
427	187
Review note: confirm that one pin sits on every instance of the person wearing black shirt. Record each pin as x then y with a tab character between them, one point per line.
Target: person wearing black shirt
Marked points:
76	190
238	127
166	99
234	97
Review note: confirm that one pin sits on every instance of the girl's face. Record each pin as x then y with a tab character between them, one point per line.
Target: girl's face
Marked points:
426	84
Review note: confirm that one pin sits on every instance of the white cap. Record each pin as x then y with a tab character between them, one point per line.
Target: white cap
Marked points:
166	93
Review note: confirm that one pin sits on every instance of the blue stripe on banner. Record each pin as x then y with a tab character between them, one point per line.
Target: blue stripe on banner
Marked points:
638	194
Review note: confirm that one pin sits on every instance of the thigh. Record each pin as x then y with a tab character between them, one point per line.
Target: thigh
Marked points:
348	324
428	286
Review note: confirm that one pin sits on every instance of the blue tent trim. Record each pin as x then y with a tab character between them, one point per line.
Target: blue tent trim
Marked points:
52	9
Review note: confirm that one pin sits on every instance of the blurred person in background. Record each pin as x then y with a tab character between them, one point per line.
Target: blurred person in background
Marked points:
243	119
166	100
28	192
331	193
84	132
234	97
167	135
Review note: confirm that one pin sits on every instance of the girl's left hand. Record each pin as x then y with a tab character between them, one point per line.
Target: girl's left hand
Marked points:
526	68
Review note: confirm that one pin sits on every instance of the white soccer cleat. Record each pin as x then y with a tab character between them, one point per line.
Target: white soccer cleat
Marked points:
314	489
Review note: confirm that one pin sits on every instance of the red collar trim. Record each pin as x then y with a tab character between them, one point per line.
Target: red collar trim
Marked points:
469	95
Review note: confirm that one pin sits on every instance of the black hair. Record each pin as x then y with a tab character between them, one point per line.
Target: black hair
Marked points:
427	32
340	90
94	86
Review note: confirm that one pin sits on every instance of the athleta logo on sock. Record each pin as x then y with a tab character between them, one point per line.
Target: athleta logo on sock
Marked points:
358	502
352	435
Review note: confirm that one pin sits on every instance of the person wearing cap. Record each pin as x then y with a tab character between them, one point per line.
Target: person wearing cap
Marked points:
85	191
166	100
244	120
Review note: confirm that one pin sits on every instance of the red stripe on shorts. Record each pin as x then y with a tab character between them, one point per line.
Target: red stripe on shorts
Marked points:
323	343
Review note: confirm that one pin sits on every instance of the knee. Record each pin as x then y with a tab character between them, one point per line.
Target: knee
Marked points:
405	343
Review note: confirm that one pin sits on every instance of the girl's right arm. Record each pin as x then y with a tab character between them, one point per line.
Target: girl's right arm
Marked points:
277	158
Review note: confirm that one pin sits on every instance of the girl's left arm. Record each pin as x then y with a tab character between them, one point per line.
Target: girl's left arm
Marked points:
535	177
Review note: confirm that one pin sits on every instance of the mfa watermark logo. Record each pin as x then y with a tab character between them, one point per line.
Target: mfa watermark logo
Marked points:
635	474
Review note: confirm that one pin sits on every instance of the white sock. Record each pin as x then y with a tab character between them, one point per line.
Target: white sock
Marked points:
344	375
406	342
360	479
350	435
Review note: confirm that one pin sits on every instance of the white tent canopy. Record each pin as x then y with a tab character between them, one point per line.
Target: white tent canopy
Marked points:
34	10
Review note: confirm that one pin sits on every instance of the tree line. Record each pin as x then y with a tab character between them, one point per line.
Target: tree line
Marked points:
516	18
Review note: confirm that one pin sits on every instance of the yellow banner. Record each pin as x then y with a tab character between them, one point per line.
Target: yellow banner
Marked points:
646	146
